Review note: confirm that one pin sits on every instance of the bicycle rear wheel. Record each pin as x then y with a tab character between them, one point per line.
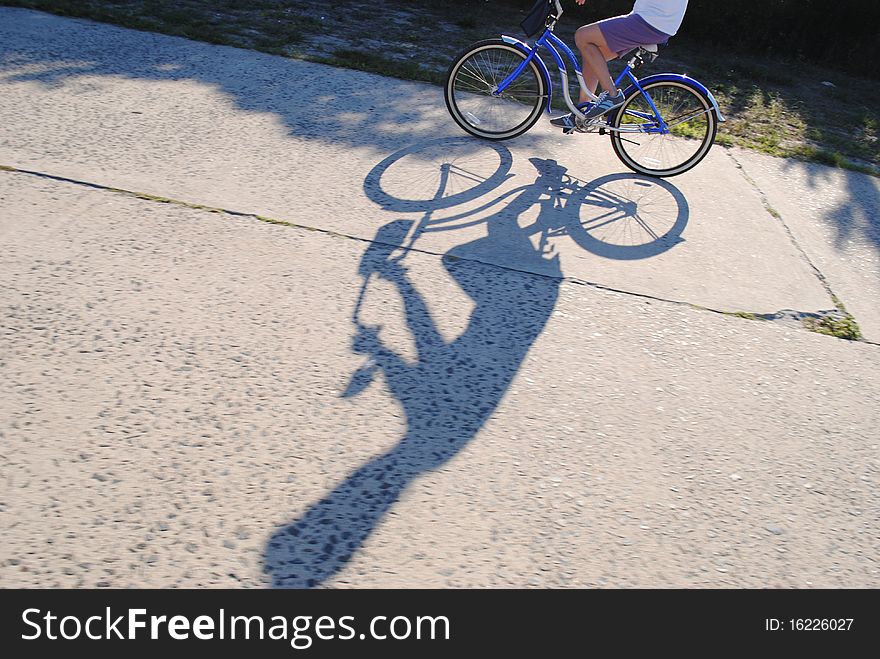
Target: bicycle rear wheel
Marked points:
689	117
472	80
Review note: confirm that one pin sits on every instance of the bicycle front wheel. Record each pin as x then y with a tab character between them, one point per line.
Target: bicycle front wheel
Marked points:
471	91
643	147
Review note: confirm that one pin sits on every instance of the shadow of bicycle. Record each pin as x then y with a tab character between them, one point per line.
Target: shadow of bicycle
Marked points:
454	386
619	216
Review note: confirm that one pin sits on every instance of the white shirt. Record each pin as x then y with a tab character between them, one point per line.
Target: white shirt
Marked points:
663	15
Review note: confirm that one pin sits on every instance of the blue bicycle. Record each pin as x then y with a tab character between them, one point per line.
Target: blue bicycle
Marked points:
497	89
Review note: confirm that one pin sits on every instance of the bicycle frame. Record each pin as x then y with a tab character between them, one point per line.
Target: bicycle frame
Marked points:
554	44
649	116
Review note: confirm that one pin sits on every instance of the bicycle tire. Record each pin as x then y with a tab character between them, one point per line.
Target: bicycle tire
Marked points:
653	154
471	80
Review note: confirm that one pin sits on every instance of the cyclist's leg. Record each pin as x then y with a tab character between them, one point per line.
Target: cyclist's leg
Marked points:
592	83
613	37
595	54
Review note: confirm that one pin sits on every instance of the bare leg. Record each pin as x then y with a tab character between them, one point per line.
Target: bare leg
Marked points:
592	82
595	54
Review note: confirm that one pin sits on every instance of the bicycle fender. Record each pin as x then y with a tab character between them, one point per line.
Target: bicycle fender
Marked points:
675	77
524	47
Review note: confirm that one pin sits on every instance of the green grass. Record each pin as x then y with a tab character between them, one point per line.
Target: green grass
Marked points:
842	325
377	63
842	328
838	303
789	115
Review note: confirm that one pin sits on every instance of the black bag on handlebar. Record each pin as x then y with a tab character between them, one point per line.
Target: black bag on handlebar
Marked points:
536	21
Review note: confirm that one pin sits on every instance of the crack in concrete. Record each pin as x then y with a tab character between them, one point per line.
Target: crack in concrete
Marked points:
785	316
810	321
839	310
778	216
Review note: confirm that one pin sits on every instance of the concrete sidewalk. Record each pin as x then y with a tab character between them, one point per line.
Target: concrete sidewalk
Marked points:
198	398
301	142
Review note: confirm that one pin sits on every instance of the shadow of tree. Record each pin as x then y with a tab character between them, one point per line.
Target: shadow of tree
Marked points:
770	108
857	217
313	101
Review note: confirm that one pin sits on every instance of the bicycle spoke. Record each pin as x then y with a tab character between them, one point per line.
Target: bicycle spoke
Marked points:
689	123
676	121
472	91
476	75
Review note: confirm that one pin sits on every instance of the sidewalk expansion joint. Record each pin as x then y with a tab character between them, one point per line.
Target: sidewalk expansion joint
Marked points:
836	322
818	321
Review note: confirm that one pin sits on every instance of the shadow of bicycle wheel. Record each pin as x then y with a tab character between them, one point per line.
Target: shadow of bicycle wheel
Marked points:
627	216
460	168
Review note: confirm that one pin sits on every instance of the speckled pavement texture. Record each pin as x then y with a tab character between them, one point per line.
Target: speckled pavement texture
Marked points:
197	397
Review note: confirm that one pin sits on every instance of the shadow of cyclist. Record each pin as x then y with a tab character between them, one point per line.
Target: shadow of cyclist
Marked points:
447	394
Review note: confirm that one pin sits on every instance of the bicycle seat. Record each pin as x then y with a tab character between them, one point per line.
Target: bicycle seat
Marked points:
641	55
